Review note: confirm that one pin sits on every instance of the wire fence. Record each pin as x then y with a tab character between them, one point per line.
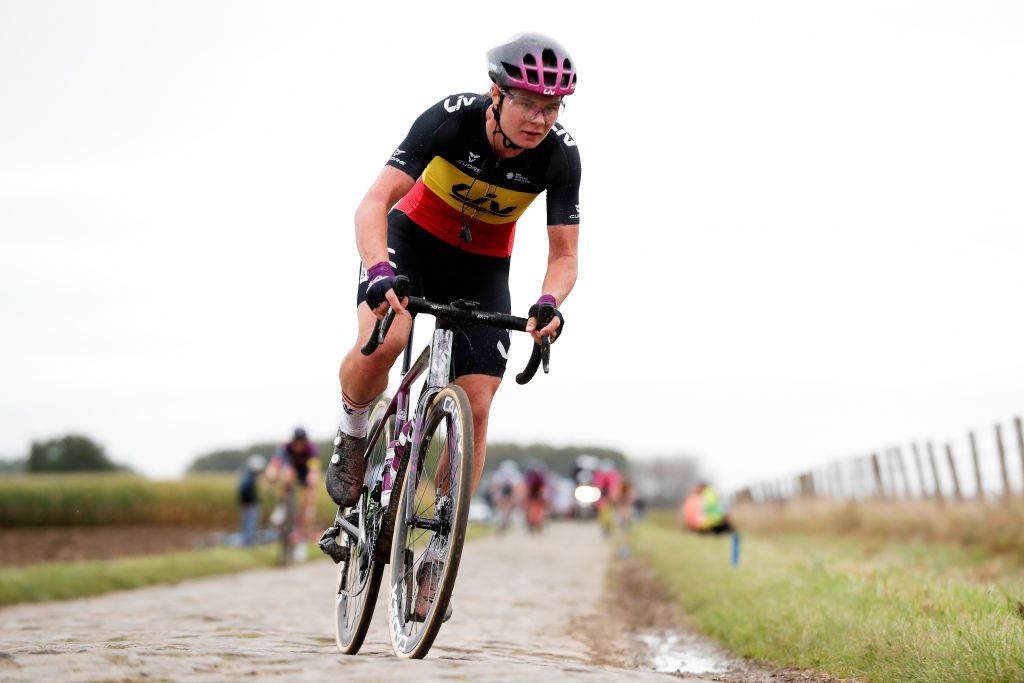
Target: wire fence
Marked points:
978	466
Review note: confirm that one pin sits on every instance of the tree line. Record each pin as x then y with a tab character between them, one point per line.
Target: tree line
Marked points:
68	453
558	459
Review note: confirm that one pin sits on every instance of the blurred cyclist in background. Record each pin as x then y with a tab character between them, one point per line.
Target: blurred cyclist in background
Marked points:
506	492
295	463
608	480
536	486
626	504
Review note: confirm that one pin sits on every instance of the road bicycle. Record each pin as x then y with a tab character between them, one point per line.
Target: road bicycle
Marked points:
413	509
283	518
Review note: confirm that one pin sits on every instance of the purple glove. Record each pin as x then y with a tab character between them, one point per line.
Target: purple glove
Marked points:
547	300
381	278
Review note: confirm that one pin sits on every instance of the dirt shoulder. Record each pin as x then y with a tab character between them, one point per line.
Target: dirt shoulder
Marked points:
20	547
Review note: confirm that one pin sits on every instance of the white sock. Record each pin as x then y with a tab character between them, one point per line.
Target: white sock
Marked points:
354	416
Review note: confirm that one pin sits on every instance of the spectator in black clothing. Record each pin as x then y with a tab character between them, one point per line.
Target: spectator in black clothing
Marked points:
248	497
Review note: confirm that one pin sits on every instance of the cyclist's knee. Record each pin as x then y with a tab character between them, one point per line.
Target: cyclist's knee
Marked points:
367	368
480	390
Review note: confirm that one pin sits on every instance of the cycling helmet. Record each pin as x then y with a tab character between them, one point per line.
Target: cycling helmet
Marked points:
299	435
534	62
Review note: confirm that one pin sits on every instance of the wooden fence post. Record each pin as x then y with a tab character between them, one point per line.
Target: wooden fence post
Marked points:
920	470
952	469
891	466
879	491
1002	460
903	472
935	472
980	493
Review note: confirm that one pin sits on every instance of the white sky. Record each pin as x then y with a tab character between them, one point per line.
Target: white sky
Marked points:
803	223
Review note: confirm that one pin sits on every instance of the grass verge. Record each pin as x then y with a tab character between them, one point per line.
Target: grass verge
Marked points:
896	611
993	526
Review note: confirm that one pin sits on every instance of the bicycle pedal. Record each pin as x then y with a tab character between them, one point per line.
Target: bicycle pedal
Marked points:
330	548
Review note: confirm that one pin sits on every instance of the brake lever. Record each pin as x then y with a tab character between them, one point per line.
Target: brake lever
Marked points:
381	327
541	355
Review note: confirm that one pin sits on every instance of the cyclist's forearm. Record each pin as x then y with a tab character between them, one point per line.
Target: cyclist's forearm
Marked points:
563	243
372	231
560	277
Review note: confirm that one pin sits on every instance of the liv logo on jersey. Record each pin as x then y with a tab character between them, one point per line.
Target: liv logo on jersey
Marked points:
462	100
562	133
461	193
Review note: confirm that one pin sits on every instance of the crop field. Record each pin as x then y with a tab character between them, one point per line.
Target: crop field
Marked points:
118	500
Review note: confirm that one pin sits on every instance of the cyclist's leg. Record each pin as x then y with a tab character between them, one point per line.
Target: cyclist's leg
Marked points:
479	353
363	378
308	516
480	389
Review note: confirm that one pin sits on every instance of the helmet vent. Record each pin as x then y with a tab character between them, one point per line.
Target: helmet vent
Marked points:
565	80
530	59
549	58
531	77
513	70
550	77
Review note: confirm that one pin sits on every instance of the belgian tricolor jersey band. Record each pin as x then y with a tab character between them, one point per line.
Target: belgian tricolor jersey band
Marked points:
460	182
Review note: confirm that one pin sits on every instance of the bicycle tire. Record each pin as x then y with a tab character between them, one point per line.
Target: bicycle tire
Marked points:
353	613
444	531
286	552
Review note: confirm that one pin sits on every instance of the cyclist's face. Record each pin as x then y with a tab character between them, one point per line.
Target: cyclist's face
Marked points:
526	117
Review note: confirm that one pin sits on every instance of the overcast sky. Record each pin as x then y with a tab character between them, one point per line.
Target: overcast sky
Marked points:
802	223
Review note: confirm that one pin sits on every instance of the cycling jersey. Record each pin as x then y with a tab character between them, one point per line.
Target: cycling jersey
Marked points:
460	181
440	272
535	484
300	459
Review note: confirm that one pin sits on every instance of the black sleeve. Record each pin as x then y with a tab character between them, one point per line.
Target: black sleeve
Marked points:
563	188
432	131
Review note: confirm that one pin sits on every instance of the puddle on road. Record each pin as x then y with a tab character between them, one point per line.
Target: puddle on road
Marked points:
675	652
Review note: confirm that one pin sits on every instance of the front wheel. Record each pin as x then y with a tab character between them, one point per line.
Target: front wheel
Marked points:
360	575
430	526
286	532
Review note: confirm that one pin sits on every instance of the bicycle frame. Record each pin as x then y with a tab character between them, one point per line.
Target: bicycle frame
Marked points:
437	359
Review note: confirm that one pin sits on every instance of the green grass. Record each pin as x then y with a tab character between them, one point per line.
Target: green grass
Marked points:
891	611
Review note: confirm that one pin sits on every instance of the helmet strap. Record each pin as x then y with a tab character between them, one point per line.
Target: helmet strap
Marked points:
497	124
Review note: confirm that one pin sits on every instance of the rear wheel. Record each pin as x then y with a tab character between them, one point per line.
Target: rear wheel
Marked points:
359	576
430	526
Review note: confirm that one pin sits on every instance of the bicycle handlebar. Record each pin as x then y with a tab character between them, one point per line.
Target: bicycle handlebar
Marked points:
454	313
